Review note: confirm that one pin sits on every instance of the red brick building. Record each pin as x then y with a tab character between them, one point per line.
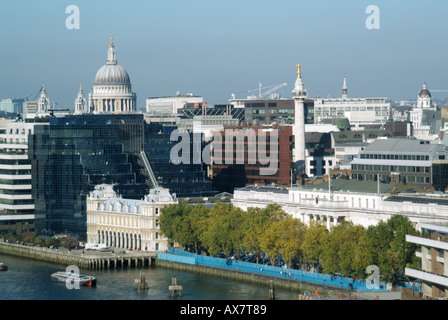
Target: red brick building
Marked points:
240	159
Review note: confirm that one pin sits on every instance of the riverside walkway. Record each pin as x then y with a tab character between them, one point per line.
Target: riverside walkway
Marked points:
289	276
92	260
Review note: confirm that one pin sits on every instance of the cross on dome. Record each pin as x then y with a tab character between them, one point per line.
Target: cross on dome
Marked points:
111	54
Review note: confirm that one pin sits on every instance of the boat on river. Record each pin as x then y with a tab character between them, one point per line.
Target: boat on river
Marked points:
82	280
3	267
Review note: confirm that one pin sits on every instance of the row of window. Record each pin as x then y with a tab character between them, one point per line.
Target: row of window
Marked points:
404	179
15	161
377	168
15	172
417	157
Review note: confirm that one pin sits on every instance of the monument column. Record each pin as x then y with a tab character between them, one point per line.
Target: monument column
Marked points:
299	95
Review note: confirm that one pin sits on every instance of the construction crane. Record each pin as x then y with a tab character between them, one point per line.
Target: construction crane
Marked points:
35	97
272	89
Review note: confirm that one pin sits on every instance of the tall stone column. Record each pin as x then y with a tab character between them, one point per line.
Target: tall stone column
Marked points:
299	95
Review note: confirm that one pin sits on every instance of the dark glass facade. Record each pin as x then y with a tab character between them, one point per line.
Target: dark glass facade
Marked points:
73	154
184	179
279	110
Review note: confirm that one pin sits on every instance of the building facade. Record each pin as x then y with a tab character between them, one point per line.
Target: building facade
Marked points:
171	104
127	223
236	158
268	111
408	161
16	203
361	202
12	105
71	155
433	251
359	111
184	178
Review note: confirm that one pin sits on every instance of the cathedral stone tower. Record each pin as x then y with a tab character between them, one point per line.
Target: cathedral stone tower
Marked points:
80	103
43	104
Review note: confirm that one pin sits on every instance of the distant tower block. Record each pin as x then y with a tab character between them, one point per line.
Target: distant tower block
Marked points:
299	96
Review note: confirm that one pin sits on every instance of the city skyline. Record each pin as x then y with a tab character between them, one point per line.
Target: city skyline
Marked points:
226	48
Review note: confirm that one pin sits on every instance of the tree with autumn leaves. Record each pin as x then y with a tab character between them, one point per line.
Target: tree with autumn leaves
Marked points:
346	249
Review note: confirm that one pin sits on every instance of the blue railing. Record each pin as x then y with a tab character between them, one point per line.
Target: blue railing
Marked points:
268	270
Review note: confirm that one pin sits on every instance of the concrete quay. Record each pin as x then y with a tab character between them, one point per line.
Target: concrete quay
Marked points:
84	259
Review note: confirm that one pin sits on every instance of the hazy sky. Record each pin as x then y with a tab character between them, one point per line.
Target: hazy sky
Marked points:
214	48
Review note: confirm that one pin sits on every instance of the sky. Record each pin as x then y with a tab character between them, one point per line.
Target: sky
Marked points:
216	48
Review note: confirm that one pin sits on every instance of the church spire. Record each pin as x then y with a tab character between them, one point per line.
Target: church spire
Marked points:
344	88
80	102
43	104
111	54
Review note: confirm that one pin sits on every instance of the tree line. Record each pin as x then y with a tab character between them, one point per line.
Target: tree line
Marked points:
346	249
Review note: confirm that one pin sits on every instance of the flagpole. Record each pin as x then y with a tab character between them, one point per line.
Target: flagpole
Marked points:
378	183
291	178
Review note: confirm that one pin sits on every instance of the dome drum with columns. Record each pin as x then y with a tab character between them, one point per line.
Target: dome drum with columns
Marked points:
112	91
424	99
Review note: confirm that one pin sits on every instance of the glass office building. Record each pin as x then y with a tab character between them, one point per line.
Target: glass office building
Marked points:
73	154
183	179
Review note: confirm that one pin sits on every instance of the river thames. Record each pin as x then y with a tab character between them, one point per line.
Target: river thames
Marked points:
28	279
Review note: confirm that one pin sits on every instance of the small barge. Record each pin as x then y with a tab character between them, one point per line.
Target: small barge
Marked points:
82	280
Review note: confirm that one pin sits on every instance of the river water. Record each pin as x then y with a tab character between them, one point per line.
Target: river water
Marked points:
30	280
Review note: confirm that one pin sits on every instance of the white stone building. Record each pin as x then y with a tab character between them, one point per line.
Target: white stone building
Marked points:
127	223
361	202
359	111
170	104
424	116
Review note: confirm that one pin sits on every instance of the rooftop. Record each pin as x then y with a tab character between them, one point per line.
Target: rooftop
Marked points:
353	186
404	146
264	189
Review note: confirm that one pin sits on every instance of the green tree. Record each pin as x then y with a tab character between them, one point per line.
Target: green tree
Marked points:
181	223
274	238
195	222
402	226
373	248
255	220
292	233
222	229
385	246
269	240
171	219
316	236
338	255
